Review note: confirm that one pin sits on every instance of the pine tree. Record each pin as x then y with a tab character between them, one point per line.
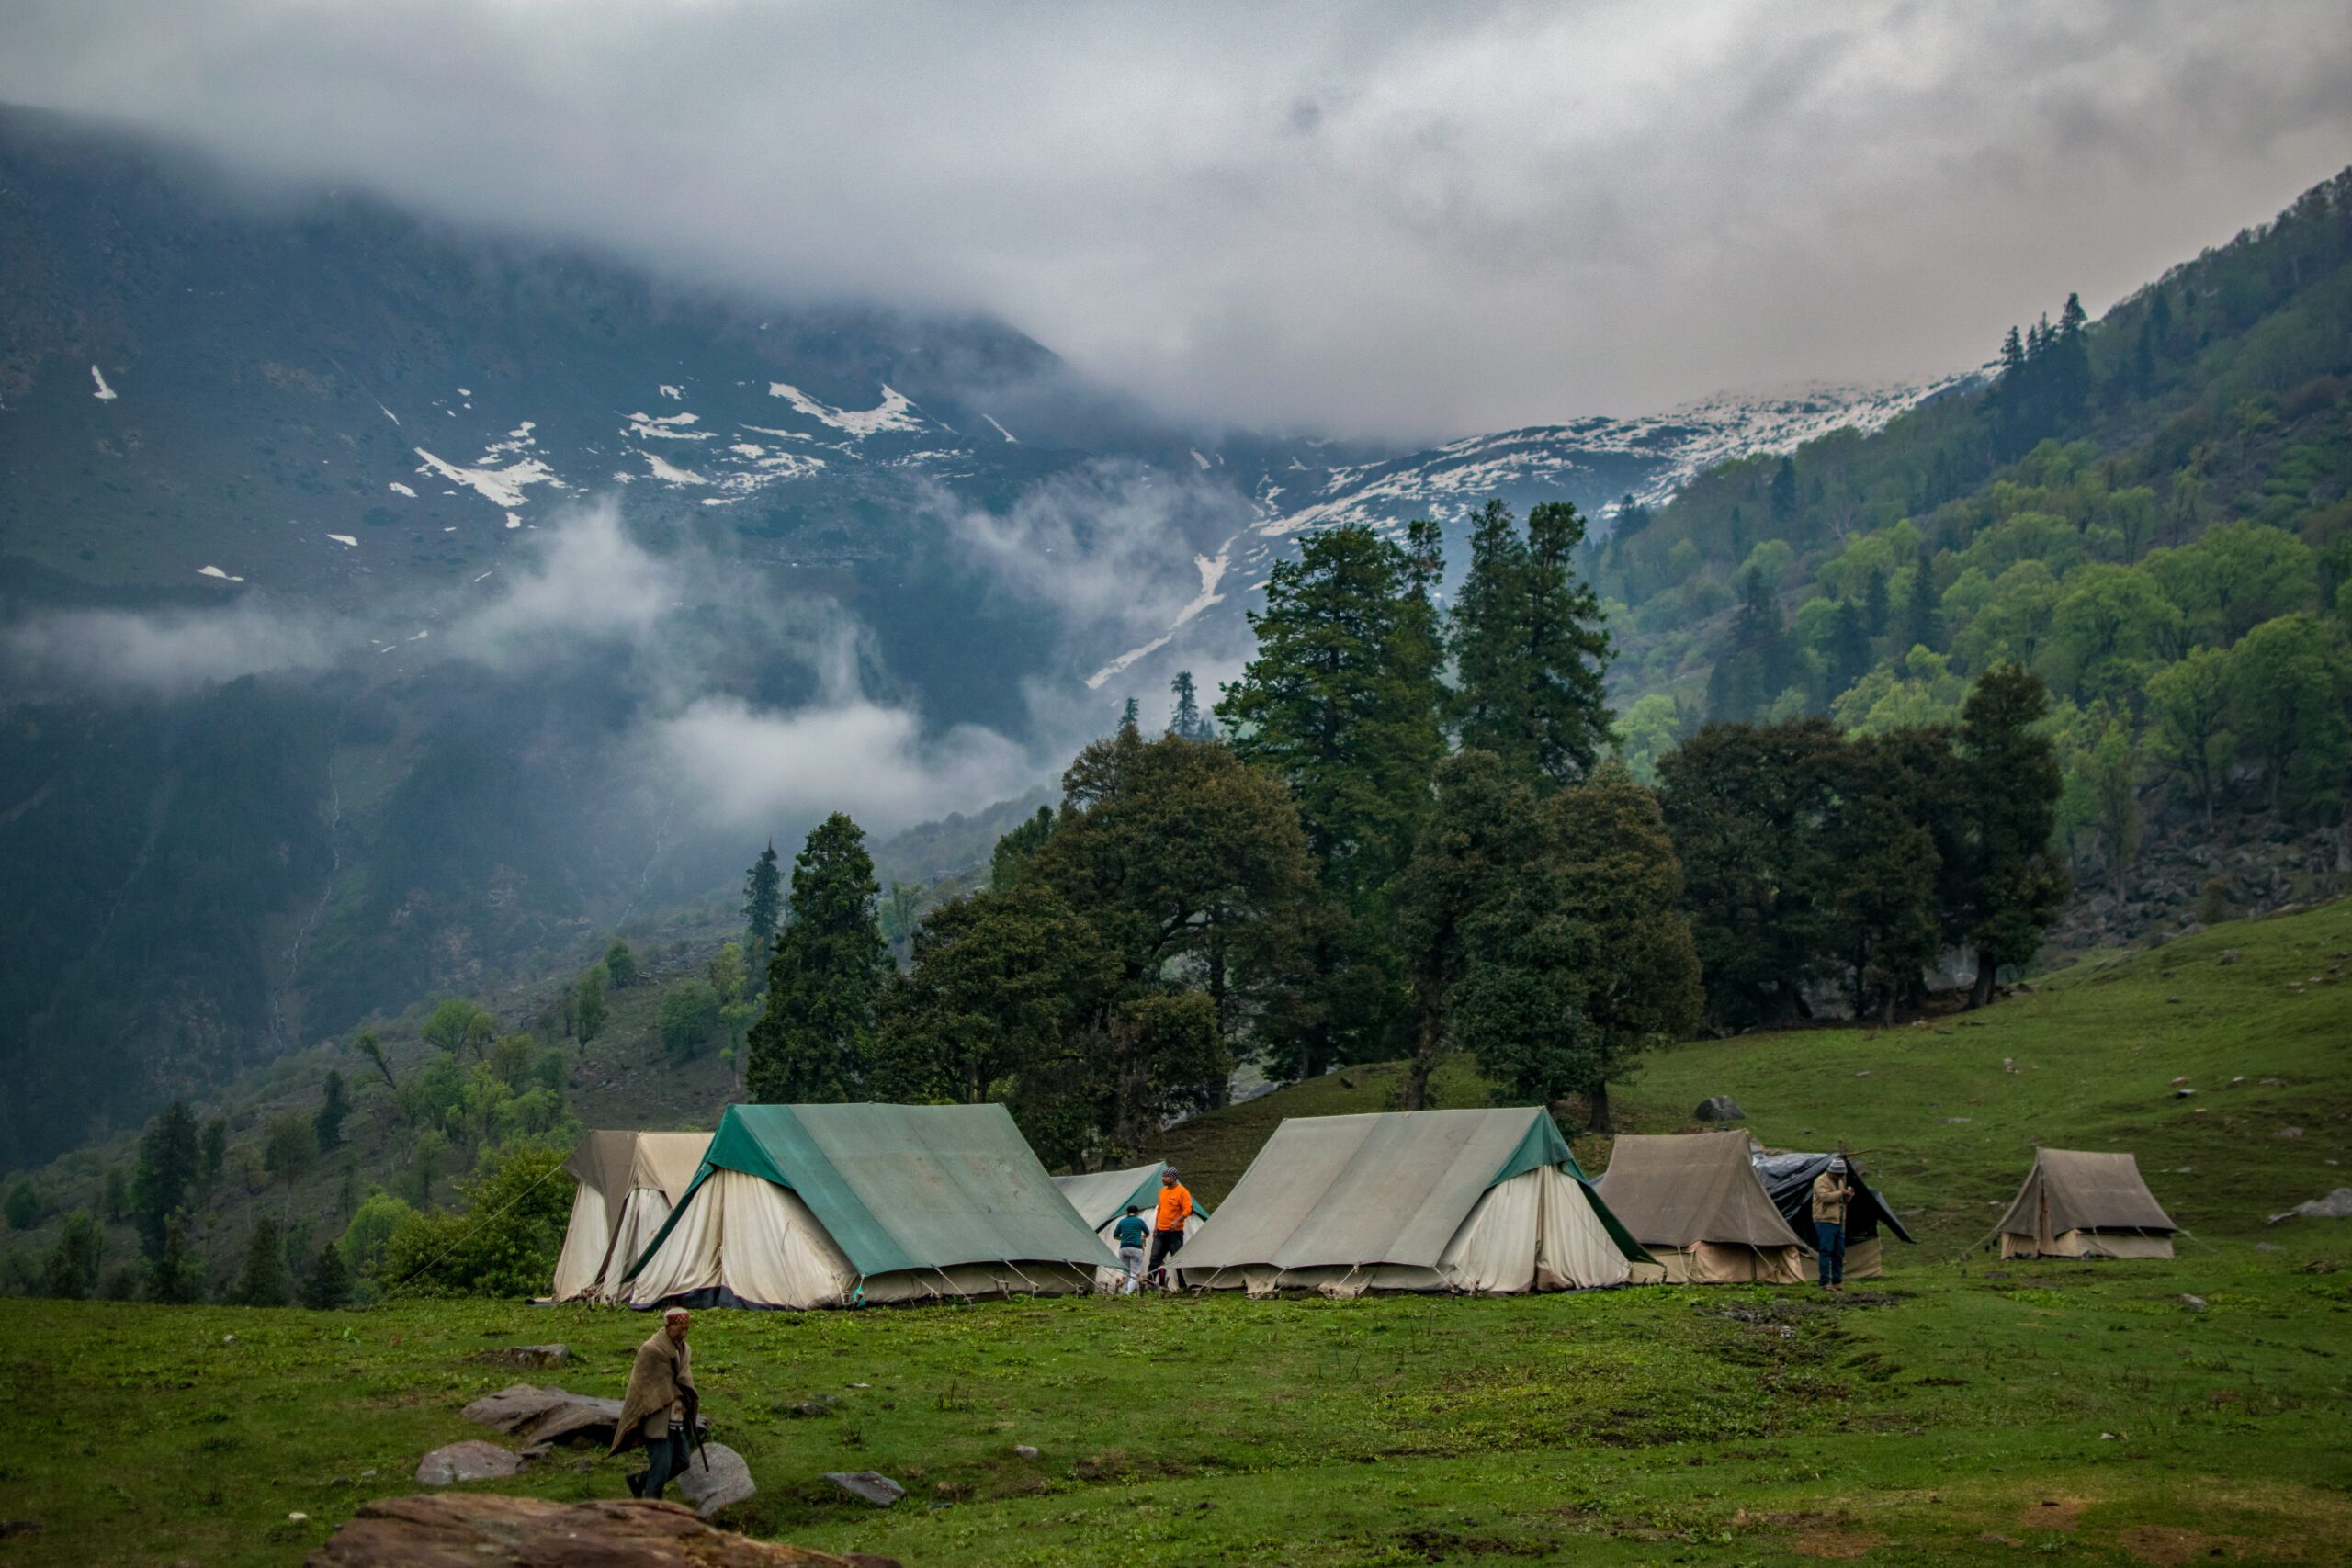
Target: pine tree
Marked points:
1782	497
72	1269
262	1282
1876	612
175	1273
1757	662
1923	622
326	1284
1184	713
763	899
1128	715
1488	639
1480	834
2009	783
1528	649
166	1173
328	1124
115	1204
1341	702
620	965
814	1043
588	1006
1013	850
1619	883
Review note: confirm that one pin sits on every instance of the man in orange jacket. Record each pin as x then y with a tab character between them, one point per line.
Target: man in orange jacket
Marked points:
1168	1227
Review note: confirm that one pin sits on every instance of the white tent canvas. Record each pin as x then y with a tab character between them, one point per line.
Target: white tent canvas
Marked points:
1488	1202
1101	1197
628	1182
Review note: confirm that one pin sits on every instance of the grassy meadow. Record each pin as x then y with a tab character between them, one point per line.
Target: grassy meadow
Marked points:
1959	1410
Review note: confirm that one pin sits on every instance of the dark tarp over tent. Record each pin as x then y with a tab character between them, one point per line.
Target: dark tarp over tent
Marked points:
1789	1179
1472	1200
1694	1200
2080	1204
824	1205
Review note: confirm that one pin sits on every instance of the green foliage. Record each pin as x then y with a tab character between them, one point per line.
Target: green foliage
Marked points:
25	1205
1185	721
688	1019
1013	850
2189	706
263	1281
175	1273
764	897
290	1146
326	1283
814	1043
72	1269
115	1206
364	1241
166	1172
589	1011
1646	731
620	965
457	1025
501	1242
1529	648
2287	682
333	1106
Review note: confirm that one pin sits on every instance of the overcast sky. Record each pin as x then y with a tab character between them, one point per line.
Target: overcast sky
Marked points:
1423	220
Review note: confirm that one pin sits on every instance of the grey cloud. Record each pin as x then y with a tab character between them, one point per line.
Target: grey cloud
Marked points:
1390	219
167	651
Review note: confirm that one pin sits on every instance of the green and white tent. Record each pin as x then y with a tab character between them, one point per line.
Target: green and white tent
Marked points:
828	1205
1475	1200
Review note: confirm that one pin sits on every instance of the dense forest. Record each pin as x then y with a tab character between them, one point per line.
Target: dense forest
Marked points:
2149	511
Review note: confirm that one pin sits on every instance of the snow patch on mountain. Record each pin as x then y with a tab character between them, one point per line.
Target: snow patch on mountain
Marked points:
502	486
1212	569
104	393
895	412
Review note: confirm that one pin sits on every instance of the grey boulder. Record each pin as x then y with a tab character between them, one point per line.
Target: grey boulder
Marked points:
867	1485
472	1460
726	1482
1720	1108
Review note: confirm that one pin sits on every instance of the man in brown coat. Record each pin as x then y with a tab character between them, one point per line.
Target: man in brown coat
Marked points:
659	1404
1831	1193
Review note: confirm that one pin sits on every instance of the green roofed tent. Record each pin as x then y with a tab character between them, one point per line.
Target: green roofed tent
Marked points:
826	1205
1483	1201
1102	1196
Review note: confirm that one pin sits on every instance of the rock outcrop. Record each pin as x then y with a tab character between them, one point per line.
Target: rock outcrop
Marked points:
483	1530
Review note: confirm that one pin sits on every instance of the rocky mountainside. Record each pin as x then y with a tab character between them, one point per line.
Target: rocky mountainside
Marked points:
389	609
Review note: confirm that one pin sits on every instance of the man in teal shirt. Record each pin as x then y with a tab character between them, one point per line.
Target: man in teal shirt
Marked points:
1129	1233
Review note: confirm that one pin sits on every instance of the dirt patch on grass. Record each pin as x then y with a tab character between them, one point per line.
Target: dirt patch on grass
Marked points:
2169	1546
1838	1543
2053	1513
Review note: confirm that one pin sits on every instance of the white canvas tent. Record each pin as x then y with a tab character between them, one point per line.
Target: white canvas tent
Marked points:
1102	1196
2081	1204
831	1205
1695	1202
628	1181
1472	1200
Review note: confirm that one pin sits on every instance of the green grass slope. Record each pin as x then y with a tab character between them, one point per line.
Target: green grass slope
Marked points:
2256	1016
1960	1411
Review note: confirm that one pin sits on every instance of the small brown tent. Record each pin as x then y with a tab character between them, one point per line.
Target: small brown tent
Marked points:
1696	1202
2078	1204
628	1182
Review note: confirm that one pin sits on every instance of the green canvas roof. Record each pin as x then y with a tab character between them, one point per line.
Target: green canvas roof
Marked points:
1380	1188
901	1186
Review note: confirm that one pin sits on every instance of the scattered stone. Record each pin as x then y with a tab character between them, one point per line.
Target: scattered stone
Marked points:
1863	1074
298	1519
2184	1094
2274	1083
812	1407
726	1482
228	1339
546	1415
472	1460
2289	1133
510	1532
861	1385
2178	1082
537	1451
2337	1205
1957	1121
1994	1537
1023	1451
2194	1303
541	1356
2174	1000
1720	1108
867	1485
2229	955
2264	1247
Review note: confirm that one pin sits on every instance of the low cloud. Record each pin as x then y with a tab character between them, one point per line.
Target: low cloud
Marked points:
587	582
166	652
749	768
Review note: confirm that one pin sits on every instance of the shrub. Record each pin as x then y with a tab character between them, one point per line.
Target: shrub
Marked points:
501	1243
